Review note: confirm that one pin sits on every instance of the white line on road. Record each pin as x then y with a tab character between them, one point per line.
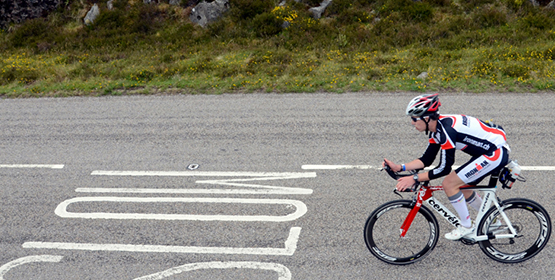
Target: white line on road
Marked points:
205	173
234	182
30	259
261	188
337	167
334	167
283	272
289	250
61	210
51	166
192	191
538	168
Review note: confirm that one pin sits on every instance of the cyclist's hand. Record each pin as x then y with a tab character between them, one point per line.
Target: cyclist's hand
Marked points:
394	167
405	183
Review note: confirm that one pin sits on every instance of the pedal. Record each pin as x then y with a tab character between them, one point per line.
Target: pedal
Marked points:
467	241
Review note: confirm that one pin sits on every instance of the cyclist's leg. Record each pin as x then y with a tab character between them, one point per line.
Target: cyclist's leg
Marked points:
472	173
473	199
451	185
477	168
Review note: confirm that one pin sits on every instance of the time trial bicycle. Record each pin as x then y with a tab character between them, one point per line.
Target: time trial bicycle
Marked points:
402	232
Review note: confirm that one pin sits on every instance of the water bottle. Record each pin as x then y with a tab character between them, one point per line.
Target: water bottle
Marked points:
514	171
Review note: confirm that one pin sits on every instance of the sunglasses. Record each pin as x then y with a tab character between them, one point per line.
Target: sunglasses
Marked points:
415	119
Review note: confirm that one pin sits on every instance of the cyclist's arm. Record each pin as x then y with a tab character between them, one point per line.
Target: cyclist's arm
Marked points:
444	167
424	161
430	154
415	164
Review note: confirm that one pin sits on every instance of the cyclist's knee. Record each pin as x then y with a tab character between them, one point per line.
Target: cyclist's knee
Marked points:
452	183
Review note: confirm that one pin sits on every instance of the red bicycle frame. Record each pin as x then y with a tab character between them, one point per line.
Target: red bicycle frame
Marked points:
423	194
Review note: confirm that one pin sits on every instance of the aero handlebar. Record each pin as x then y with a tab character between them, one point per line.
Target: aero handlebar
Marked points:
397	175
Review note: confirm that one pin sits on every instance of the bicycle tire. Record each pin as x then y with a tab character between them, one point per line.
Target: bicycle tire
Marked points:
529	219
382	233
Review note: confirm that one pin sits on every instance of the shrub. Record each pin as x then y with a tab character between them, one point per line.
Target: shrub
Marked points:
29	33
470	5
181	33
426	52
18	74
113	19
455	43
354	15
120	4
145	19
516	71
419	11
267	24
489	16
410	10
247	9
82	71
373	74
538	20
339	6
458	23
549	53
441	3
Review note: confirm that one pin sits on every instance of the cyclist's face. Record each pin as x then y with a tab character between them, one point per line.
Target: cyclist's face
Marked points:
419	124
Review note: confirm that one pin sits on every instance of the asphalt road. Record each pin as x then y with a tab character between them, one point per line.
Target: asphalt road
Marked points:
102	188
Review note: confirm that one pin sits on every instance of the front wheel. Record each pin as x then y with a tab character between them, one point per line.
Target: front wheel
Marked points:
382	233
532	225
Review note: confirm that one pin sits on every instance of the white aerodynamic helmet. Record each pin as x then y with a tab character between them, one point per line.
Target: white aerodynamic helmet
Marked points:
424	105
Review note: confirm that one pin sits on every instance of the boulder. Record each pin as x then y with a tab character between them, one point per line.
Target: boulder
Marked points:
16	11
318	11
423	76
93	13
205	13
110	5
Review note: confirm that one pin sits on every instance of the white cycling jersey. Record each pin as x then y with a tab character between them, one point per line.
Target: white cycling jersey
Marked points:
465	133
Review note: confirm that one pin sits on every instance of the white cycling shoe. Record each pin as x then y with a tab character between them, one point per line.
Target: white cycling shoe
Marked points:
460	232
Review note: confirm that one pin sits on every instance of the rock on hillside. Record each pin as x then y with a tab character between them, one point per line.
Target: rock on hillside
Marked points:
19	10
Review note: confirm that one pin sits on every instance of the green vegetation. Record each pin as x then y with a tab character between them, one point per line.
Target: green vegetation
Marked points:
472	45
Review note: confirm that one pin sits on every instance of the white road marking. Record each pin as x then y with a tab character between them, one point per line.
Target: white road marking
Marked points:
265	188
301	209
257	176
283	272
30	259
205	173
51	166
538	168
289	250
191	191
336	167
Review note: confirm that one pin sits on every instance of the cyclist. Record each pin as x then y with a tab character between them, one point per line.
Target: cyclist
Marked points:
484	142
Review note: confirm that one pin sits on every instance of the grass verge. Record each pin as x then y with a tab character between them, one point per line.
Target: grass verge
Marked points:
384	45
